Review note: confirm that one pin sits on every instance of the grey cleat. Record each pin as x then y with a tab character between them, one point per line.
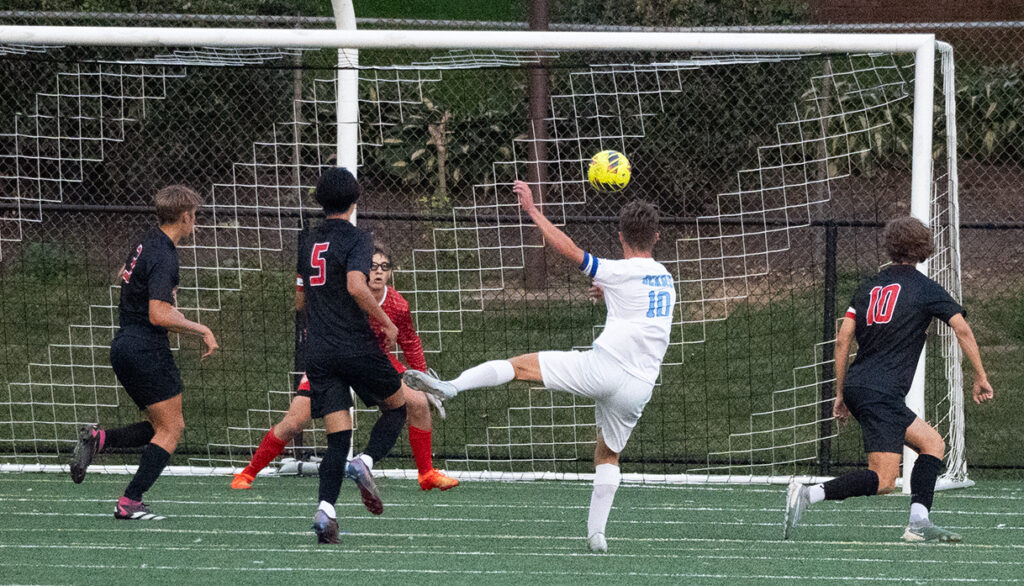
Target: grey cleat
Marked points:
434	401
421	381
597	543
358	471
928	532
797	500
326	528
85	450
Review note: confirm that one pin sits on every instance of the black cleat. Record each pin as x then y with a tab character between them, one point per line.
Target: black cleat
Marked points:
85	450
129	510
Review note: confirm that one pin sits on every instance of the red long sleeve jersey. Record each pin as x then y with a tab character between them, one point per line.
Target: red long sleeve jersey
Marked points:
397	309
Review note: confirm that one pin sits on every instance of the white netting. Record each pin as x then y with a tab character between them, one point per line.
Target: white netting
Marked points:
723	256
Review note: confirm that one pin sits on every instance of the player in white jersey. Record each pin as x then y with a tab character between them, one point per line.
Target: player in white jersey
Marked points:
620	371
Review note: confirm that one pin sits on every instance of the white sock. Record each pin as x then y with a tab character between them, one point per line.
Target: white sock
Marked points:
366	460
329	509
606	482
816	493
918	513
488	374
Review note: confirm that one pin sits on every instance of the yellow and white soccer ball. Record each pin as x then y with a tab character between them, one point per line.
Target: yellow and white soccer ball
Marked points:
609	171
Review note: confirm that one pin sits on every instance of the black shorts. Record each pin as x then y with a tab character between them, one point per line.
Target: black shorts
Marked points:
883	417
145	369
371	376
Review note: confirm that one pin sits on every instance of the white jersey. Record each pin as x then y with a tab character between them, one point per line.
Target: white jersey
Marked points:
641	297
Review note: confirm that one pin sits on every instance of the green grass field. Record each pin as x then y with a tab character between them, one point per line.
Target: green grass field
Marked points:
54	532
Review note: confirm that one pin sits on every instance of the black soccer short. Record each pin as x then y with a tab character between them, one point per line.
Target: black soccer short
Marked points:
883	417
145	369
371	376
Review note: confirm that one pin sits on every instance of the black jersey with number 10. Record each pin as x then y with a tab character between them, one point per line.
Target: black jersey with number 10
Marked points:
336	324
892	311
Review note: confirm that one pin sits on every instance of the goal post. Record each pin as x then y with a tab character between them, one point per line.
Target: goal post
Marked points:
459	242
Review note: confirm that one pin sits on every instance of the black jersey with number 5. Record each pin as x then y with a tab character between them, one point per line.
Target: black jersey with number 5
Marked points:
336	324
150	272
892	311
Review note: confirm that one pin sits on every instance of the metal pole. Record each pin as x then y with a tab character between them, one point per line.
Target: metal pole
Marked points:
535	262
828	334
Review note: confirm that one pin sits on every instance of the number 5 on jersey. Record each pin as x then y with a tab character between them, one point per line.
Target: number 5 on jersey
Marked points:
318	262
882	304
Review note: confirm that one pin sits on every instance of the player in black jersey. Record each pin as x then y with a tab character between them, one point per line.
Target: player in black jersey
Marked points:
140	353
889	316
342	351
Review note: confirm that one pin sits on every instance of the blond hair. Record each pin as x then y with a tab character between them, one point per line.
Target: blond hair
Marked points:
174	200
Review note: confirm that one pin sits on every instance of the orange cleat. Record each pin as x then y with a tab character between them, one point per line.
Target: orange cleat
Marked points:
437	479
242	481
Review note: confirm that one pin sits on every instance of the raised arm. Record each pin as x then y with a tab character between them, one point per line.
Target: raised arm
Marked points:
558	240
982	390
842	355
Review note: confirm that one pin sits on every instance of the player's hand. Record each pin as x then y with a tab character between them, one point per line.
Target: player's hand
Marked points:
982	391
391	333
839	409
522	189
595	293
211	343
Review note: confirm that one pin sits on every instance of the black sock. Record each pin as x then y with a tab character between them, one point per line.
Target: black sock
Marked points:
922	480
384	433
857	483
129	436
154	459
332	467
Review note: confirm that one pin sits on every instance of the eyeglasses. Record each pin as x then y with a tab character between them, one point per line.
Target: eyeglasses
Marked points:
384	266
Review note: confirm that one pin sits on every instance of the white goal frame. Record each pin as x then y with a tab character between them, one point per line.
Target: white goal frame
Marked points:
348	41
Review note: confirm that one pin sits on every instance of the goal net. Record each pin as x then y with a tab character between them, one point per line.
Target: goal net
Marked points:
774	163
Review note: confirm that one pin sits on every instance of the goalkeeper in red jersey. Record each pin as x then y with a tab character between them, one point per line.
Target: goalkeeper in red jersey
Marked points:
417	403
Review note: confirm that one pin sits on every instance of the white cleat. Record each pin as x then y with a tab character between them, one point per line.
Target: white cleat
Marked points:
597	543
421	381
434	401
797	500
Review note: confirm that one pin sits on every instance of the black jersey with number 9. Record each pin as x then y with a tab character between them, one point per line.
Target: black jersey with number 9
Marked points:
892	311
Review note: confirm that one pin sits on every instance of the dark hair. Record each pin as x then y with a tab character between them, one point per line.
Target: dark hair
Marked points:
336	190
174	200
381	250
907	239
638	222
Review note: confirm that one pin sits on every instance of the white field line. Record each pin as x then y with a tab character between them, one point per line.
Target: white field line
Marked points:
681	508
574	521
148	528
553	574
576	552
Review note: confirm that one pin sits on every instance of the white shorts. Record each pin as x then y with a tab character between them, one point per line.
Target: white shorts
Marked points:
619	396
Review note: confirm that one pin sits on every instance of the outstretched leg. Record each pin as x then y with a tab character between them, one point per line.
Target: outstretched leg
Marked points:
489	374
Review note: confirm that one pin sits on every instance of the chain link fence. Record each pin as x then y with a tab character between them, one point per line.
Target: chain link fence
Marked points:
89	134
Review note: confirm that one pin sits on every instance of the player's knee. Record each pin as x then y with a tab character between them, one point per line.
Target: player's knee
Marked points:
936	447
288	428
171	428
886	484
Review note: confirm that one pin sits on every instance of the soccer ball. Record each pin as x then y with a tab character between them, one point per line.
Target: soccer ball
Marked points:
609	171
